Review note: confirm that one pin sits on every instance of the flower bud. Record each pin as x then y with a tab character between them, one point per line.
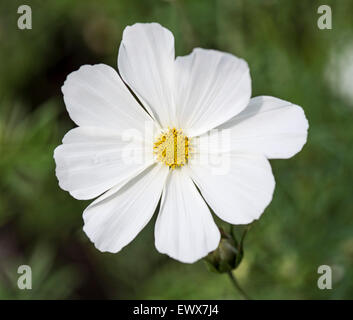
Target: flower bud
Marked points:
227	256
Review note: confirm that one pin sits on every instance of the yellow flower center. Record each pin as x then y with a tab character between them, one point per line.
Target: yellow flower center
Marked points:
172	148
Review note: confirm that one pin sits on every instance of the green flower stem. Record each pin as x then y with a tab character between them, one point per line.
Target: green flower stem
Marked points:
243	294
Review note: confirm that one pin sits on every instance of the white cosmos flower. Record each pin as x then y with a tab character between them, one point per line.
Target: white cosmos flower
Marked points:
204	90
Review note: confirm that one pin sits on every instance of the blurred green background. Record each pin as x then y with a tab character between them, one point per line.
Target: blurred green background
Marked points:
309	222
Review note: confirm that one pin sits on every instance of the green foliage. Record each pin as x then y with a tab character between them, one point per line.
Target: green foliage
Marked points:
309	220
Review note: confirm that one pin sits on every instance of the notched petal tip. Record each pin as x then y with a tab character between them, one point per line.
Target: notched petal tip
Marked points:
185	229
188	260
269	126
112	221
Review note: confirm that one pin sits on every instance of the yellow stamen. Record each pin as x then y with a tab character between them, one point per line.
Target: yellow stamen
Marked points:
172	148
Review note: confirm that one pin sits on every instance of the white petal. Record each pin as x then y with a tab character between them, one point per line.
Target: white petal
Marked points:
114	221
211	88
185	229
96	96
238	187
270	126
92	160
146	63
